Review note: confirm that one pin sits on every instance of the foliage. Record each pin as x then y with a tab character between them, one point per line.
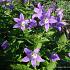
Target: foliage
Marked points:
51	41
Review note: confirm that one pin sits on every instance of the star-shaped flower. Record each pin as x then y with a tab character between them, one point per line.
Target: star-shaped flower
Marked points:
32	56
21	22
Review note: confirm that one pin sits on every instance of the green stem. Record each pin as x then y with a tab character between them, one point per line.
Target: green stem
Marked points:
35	68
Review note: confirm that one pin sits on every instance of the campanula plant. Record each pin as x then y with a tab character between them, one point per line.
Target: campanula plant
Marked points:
33	35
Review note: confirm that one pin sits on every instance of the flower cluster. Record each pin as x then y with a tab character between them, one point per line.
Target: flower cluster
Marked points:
46	19
35	58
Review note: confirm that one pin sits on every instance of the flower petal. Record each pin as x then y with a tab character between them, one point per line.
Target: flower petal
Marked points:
22	28
36	50
34	15
33	62
52	20
27	51
39	5
41	23
21	17
26	22
59	28
40	16
47	26
16	26
62	23
25	59
59	13
39	59
32	24
36	10
54	57
16	19
48	14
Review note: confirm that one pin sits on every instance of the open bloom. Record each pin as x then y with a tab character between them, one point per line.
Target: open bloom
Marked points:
5	44
38	11
47	19
32	56
54	57
21	22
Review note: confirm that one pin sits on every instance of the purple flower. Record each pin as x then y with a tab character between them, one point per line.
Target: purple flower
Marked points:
59	17
59	24
47	19
32	56
32	23
54	57
11	7
5	44
21	22
53	6
69	54
24	1
59	13
38	11
2	0
5	0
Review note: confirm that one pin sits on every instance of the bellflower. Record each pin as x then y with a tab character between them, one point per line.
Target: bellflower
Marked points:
54	57
21	22
32	56
47	19
38	11
59	17
5	44
32	23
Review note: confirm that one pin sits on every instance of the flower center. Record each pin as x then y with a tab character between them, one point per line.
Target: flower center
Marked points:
46	20
23	23
34	55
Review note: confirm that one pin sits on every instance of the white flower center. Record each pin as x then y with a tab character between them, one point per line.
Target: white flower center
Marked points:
34	55
46	20
54	54
23	23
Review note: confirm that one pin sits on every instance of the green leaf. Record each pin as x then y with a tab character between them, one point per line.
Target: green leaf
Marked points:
67	59
62	41
20	67
51	66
